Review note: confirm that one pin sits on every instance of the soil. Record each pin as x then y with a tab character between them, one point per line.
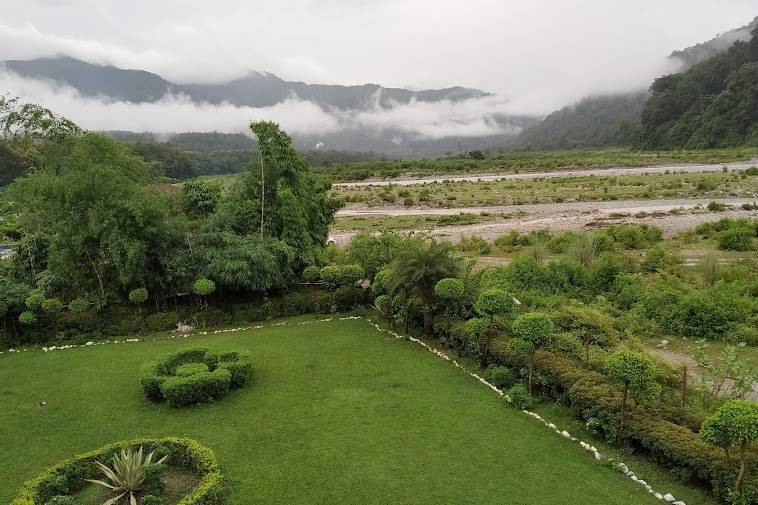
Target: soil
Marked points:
558	217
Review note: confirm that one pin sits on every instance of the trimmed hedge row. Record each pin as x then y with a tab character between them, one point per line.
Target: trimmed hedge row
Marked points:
675	446
67	476
194	376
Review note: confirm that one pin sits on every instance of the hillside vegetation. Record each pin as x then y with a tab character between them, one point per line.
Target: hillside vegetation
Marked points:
713	104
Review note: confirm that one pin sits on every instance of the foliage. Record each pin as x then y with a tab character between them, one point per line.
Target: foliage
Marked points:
500	376
331	274
520	397
204	287
194	376
138	295
200	198
182	452
350	274
636	373
311	274
736	239
373	252
78	305
27	318
727	374
126	475
712	104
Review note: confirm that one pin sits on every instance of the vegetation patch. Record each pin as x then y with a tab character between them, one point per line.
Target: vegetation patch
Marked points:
59	483
194	376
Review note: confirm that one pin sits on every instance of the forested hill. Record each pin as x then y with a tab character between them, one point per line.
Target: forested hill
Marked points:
698	53
257	89
598	121
713	104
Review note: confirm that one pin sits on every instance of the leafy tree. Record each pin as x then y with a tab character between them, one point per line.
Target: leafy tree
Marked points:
27	318
492	303
203	288
167	160
200	198
734	424
100	221
138	296
635	372
29	120
78	305
373	252
449	292
51	307
418	270
531	331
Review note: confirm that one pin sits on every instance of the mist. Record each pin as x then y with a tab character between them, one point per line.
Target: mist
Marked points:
178	113
540	55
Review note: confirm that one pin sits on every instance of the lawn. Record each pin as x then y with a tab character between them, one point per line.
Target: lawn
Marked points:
337	413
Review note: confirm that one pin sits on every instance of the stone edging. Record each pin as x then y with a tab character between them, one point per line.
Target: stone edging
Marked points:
597	455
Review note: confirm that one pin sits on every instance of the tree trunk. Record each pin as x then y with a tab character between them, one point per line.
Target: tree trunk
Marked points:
623	414
738	482
428	321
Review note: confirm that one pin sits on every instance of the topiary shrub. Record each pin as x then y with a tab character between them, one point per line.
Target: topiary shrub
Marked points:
184	453
311	273
194	376
331	274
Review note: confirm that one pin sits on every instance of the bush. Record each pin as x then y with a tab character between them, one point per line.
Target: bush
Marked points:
499	376
63	500
204	287
194	376
738	238
350	274
200	387
150	499
138	296
27	318
78	305
635	237
331	274
183	453
311	273
520	397
154	484
474	244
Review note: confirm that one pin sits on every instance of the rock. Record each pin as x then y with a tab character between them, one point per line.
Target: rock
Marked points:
679	503
669	498
658	495
635	478
551	425
593	449
565	434
599	457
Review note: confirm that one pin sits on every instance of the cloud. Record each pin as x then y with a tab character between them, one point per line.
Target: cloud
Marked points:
542	54
178	113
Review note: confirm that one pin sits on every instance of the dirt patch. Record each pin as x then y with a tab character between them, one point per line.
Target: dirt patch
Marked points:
559	217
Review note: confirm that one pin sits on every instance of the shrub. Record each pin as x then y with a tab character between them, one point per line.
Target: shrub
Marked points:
63	500
331	274
28	317
137	296
78	305
499	376
350	274
150	499
34	300
190	368
194	376
520	397
738	238
474	244
183	453
204	287
51	306
567	344
200	387
635	237
311	273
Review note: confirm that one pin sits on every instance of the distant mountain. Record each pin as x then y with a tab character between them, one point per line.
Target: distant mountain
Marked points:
258	89
698	53
597	121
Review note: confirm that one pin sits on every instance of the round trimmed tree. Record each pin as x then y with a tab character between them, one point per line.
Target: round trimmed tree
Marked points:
531	332
635	372
449	291
735	424
491	304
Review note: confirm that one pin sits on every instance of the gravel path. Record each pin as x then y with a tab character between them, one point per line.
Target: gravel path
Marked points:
608	171
562	216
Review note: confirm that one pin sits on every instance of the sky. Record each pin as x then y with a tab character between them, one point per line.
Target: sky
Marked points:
539	55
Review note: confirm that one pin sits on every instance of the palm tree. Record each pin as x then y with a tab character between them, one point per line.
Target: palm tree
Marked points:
419	269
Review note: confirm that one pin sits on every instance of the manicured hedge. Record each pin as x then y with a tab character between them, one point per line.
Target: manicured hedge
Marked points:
674	445
67	476
194	376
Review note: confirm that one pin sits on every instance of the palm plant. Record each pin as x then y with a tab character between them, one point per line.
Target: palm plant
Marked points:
419	269
127	475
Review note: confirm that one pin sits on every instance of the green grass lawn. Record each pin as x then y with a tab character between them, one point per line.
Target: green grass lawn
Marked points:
336	413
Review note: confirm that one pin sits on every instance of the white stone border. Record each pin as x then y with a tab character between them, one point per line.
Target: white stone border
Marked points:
597	455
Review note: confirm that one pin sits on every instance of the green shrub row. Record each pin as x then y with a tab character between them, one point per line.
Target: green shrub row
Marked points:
67	476
666	434
194	376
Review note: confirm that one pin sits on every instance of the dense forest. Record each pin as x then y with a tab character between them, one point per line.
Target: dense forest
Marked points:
713	104
597	121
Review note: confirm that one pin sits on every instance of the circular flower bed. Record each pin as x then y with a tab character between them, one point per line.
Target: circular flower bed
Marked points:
68	476
194	376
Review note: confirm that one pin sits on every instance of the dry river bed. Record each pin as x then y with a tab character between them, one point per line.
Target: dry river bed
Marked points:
607	171
558	217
